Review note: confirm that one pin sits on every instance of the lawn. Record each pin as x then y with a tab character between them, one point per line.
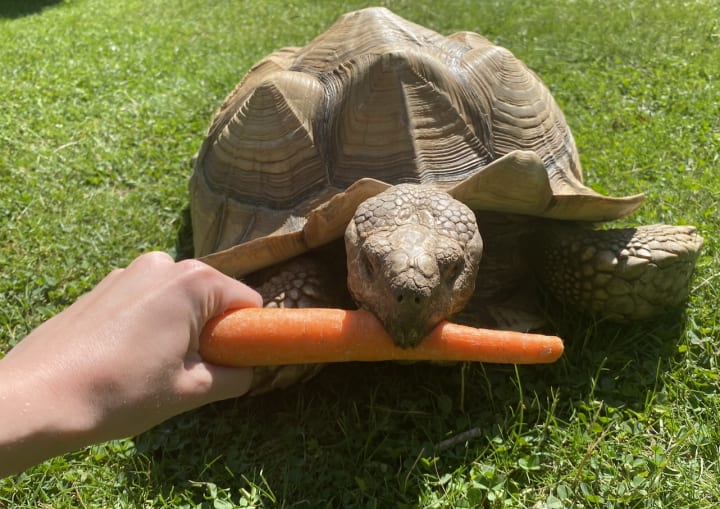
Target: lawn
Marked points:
103	104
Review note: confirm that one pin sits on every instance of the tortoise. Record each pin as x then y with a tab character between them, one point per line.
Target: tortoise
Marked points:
421	177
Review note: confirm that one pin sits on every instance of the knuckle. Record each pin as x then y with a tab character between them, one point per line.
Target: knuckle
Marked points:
195	268
155	259
115	272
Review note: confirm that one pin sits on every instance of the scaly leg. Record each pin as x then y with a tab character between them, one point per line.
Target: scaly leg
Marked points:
305	281
621	274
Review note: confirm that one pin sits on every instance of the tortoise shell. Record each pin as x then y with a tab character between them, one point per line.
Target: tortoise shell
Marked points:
375	101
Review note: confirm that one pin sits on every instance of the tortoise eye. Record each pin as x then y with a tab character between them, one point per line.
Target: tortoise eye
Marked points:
453	271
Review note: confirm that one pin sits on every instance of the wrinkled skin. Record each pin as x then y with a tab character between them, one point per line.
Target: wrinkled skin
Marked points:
412	256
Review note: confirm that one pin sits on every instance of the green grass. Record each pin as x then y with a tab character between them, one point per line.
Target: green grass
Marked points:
104	103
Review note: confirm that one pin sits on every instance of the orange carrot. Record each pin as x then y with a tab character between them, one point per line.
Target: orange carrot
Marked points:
268	337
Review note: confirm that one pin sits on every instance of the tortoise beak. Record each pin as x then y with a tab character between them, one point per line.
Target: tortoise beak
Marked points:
409	313
407	336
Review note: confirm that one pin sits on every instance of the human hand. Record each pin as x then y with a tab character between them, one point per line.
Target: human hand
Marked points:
124	357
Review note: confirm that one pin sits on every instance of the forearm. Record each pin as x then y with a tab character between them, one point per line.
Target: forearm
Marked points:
38	421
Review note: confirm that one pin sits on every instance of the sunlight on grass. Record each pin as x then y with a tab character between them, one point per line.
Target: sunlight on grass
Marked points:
105	103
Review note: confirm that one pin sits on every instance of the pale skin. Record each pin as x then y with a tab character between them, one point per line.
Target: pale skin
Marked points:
120	360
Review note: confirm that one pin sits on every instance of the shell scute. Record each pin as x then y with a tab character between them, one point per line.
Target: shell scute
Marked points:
265	153
395	124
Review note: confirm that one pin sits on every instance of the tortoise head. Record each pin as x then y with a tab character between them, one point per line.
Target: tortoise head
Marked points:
412	255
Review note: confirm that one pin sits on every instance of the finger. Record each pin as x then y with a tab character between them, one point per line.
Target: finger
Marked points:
217	292
205	383
234	294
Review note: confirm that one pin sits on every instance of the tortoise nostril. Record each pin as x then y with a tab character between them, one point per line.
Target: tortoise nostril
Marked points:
409	297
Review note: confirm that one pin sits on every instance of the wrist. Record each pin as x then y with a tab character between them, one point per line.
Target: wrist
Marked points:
40	419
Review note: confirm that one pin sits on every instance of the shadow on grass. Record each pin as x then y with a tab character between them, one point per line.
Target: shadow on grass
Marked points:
19	8
369	434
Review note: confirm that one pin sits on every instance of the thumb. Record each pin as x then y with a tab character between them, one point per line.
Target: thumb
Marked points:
229	382
202	382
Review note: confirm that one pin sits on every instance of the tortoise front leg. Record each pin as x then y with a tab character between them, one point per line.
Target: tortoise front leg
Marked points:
305	281
620	274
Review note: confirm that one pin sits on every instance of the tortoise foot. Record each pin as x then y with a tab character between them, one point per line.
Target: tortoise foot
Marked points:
621	274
